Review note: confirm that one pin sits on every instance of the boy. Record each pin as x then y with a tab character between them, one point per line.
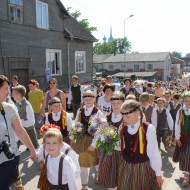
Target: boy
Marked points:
167	96
148	110
25	112
164	121
59	166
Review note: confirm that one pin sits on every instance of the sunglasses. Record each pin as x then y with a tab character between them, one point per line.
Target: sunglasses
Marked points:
52	83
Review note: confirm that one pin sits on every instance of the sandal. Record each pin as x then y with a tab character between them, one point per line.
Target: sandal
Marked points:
185	182
96	178
84	187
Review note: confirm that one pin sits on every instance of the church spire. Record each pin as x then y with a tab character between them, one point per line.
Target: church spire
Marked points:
111	37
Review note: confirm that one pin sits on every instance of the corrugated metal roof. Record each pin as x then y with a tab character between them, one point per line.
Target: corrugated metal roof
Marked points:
138	74
137	57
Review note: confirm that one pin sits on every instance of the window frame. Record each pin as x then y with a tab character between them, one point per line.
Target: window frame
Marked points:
147	67
59	59
135	67
15	15
84	61
47	16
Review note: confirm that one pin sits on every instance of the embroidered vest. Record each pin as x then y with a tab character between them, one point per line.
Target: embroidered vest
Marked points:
62	123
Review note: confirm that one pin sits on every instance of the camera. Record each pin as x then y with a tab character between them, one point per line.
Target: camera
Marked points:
5	147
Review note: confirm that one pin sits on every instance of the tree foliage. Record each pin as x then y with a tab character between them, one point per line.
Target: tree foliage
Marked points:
176	54
117	45
84	22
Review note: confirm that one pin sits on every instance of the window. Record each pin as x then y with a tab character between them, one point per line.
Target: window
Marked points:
136	67
111	67
80	62
149	67
53	61
42	18
123	66
16	11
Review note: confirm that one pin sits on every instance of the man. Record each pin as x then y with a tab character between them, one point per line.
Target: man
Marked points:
75	95
14	82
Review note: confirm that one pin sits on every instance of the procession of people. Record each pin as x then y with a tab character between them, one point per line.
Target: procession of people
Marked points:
116	130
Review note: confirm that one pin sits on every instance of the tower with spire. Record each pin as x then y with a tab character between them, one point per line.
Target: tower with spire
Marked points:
111	37
104	39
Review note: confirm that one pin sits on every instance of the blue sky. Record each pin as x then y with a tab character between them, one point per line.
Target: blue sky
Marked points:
157	25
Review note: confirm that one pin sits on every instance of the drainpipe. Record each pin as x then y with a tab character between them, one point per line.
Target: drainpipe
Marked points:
68	63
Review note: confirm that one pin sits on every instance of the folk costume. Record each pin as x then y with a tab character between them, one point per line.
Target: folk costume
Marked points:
61	119
182	133
141	161
109	164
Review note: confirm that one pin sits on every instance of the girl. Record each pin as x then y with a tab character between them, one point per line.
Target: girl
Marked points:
141	164
108	165
59	117
60	167
85	146
182	136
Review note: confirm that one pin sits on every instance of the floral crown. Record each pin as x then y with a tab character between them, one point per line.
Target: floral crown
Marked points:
45	127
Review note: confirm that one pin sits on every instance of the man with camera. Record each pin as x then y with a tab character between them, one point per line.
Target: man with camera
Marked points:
9	126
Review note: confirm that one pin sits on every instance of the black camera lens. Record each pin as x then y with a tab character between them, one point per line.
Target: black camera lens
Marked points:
7	150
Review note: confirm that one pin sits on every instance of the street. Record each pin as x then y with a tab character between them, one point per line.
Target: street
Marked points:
170	171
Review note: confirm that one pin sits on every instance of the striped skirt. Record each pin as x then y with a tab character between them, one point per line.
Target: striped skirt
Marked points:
86	158
137	177
109	169
182	154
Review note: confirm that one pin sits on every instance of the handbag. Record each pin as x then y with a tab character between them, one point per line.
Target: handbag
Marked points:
43	183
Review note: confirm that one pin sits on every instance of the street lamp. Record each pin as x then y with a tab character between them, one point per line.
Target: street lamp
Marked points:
124	39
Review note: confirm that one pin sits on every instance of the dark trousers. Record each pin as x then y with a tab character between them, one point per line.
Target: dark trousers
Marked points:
33	137
162	136
75	107
8	173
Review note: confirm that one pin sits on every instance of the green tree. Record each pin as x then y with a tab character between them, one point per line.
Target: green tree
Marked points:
118	45
176	54
84	22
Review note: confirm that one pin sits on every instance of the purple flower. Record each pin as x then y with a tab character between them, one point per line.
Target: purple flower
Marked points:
92	131
107	139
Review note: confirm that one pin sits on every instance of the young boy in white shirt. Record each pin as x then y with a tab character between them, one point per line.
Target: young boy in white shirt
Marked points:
60	169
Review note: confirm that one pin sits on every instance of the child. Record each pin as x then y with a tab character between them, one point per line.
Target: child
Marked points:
65	148
164	122
173	107
109	164
60	117
85	146
60	167
182	136
167	96
148	110
140	167
151	100
25	112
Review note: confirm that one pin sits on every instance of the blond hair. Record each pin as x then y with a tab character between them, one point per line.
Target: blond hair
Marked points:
52	132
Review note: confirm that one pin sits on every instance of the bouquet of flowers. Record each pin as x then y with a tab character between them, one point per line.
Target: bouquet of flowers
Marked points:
95	123
108	139
45	127
77	131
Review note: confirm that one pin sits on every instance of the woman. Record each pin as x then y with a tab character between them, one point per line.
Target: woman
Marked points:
10	124
53	92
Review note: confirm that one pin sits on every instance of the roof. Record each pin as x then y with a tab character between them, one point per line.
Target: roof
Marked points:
136	57
65	13
137	74
100	58
76	31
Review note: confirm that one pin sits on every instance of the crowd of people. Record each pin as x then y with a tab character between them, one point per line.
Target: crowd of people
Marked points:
142	115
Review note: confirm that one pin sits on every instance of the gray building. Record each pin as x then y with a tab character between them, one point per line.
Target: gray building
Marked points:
38	36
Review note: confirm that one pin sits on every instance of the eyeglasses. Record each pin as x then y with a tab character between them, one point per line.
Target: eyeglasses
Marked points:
52	83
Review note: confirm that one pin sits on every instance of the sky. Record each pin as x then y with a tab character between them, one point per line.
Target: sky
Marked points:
157	25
